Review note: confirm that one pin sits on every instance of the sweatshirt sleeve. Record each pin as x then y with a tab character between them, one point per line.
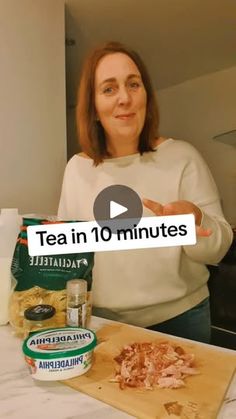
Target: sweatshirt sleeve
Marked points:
66	199
62	208
198	186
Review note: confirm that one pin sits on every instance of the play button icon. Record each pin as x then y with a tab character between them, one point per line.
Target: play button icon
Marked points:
118	207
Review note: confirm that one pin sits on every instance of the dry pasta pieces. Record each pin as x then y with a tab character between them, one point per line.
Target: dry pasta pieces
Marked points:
42	279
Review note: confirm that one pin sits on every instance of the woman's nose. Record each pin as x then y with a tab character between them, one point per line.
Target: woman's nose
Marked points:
123	96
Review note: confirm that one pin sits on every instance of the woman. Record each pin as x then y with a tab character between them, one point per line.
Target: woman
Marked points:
161	288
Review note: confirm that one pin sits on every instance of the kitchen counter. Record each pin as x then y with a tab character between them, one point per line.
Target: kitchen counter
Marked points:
22	397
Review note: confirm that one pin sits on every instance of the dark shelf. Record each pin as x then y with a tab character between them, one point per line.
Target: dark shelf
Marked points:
222	287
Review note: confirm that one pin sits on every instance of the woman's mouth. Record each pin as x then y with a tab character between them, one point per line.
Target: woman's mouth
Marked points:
125	116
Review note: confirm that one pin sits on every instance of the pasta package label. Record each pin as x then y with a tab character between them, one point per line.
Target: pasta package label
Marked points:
49	272
42	279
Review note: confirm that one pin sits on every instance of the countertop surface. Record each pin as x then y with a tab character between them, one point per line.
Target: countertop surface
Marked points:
23	397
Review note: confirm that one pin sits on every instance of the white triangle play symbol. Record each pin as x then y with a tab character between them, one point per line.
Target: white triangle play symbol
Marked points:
116	209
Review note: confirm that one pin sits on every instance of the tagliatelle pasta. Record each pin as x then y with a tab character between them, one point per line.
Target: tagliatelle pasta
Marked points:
42	280
21	300
56	299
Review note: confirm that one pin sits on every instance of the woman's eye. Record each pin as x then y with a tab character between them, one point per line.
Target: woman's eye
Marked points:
109	90
134	85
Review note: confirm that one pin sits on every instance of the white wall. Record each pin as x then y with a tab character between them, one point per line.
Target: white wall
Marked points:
32	104
196	111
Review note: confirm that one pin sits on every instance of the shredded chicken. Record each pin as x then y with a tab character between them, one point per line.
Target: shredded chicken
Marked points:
148	364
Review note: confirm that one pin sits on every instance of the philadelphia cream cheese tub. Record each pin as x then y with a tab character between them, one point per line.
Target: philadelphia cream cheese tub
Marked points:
60	353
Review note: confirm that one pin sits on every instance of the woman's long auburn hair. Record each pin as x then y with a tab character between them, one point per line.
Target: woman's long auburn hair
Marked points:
91	133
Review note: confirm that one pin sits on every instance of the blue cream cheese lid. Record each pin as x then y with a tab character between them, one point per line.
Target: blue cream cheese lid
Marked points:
60	342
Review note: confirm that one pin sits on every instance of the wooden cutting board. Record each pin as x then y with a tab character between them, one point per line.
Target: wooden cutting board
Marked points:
199	399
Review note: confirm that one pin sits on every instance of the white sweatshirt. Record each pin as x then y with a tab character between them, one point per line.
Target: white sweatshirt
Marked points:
147	286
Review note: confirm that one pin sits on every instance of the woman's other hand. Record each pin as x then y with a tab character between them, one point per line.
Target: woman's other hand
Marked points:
177	208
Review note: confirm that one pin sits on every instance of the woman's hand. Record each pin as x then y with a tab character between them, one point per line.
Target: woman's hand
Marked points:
177	208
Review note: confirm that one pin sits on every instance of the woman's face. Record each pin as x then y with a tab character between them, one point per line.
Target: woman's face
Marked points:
120	97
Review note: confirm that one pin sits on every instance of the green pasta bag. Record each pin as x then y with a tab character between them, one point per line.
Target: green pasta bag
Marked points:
42	279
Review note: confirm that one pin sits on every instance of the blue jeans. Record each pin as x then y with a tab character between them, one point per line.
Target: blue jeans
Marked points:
194	324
